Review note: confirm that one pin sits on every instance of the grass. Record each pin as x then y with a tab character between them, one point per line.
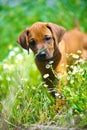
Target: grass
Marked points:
25	99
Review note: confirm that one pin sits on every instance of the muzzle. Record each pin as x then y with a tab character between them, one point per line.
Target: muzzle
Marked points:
41	56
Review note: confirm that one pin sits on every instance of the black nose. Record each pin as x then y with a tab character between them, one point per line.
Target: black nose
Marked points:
41	56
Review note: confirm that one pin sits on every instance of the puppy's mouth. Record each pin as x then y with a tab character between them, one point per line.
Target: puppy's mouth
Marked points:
42	56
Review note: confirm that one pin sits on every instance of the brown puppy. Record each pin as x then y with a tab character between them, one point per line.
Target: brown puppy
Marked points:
51	42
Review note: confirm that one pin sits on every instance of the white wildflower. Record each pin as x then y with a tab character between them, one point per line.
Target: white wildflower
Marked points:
75	70
19	57
45	76
25	51
79	51
47	66
81	61
58	95
5	66
45	85
51	62
12	53
16	49
75	56
71	66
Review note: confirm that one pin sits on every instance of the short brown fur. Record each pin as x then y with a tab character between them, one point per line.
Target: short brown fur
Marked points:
51	42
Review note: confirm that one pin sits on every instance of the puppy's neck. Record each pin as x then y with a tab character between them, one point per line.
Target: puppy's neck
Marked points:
56	57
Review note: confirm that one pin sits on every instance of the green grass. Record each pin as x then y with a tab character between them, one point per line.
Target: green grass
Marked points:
25	99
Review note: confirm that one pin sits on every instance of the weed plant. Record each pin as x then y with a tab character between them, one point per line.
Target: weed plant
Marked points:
25	100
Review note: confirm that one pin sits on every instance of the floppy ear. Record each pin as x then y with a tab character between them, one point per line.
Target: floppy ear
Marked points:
58	31
22	40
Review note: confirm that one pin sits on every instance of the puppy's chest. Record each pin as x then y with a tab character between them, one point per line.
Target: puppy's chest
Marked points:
46	69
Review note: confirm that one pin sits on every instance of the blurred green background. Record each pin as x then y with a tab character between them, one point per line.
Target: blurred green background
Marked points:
16	15
24	98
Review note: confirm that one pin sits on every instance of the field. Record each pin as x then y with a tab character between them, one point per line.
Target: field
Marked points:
24	98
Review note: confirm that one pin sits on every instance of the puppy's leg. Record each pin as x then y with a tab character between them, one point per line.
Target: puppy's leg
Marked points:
84	54
61	72
59	99
51	87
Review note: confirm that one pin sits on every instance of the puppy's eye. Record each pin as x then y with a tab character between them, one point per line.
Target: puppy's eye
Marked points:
47	39
32	43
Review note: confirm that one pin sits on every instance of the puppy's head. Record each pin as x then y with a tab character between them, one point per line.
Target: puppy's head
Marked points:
42	39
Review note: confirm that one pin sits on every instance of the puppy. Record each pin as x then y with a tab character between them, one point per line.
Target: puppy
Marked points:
51	43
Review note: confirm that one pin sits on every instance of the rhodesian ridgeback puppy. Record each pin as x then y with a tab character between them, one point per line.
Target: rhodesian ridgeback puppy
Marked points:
51	43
